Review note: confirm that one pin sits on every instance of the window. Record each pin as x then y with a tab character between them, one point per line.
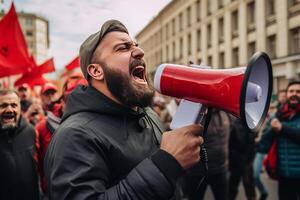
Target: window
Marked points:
180	22
221	30
28	21
221	60
174	52
189	44
209	61
251	13
209	8
167	53
209	35
198	40
271	46
173	27
293	2
295	40
234	23
251	49
220	3
189	16
167	31
235	57
198	10
270	7
181	48
29	33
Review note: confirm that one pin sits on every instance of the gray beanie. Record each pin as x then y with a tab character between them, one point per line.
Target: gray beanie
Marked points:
90	44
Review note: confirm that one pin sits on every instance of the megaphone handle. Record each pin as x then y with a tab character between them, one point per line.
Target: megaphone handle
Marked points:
205	122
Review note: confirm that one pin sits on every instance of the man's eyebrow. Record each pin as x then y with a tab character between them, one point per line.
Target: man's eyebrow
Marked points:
126	42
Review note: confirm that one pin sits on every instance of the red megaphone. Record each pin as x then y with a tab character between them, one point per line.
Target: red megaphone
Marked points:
244	92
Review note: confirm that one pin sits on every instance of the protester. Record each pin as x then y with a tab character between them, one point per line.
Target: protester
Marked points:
18	150
284	128
107	146
34	114
24	93
216	143
47	127
241	156
281	98
259	157
48	96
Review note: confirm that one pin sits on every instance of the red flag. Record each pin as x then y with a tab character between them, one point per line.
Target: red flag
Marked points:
32	81
34	77
14	57
73	64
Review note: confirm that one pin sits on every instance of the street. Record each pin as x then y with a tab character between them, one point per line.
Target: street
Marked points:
269	183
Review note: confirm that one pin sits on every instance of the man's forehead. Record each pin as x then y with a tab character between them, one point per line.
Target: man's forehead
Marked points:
294	87
115	37
9	98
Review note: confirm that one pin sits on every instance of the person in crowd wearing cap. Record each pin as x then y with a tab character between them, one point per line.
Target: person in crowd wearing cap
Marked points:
284	129
110	144
18	151
48	95
47	126
24	93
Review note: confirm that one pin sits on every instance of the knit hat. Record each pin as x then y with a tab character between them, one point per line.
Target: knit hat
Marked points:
90	44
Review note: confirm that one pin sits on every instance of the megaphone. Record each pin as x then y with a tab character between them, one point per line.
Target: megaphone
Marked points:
245	92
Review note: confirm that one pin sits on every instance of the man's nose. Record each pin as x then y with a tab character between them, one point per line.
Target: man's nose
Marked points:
9	109
138	52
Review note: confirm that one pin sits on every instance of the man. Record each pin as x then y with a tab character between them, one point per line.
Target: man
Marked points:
47	126
284	127
241	157
24	93
48	95
281	98
17	151
107	146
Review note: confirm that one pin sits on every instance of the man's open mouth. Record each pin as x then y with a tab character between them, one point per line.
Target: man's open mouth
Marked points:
8	118
139	74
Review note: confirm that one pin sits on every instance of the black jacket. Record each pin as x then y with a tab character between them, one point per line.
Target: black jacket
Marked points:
241	146
18	174
103	150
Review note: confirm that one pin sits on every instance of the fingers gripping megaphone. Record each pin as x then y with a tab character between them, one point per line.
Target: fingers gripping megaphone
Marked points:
244	92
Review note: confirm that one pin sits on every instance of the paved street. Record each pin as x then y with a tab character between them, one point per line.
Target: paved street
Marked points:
270	184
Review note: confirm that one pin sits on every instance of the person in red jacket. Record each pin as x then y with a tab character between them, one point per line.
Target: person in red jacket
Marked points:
47	127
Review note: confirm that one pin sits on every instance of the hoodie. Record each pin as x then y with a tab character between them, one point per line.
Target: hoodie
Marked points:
103	150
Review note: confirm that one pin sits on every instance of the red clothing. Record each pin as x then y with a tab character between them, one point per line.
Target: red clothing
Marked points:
44	139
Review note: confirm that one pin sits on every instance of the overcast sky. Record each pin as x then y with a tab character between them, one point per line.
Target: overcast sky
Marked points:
71	21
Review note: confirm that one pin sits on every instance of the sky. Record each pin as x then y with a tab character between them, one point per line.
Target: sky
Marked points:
72	21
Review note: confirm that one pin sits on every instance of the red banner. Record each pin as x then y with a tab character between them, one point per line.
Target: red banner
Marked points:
14	57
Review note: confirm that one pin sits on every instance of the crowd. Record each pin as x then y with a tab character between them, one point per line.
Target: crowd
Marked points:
99	139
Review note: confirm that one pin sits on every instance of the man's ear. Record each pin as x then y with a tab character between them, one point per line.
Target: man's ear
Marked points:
95	71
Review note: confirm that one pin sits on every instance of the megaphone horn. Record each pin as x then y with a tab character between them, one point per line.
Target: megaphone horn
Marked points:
244	92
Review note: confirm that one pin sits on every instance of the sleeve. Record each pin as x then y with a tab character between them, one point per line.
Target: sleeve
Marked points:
77	167
290	132
266	139
39	154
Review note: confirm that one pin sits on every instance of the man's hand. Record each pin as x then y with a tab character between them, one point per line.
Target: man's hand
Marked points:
183	144
276	125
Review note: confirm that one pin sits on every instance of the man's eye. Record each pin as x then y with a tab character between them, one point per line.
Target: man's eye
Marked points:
124	47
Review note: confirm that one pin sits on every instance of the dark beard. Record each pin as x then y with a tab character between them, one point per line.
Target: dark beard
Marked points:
126	90
294	105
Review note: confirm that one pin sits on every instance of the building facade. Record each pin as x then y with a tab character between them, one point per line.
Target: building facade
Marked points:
225	34
36	32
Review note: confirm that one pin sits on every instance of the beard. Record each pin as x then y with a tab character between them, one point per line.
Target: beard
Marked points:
125	89
8	126
291	103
